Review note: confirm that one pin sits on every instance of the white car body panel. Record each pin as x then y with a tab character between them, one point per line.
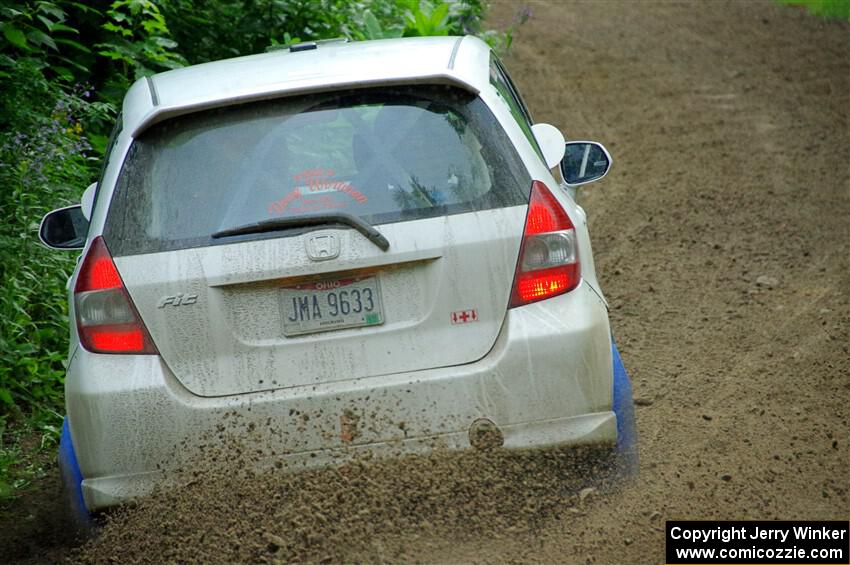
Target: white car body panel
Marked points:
143	422
332	66
231	339
131	418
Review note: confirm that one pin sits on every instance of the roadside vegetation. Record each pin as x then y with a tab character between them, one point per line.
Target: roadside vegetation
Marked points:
833	9
64	68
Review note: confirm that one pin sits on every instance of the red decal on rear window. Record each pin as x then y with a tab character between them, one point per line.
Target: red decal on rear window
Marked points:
279	206
311	176
321	180
464	316
315	204
346	188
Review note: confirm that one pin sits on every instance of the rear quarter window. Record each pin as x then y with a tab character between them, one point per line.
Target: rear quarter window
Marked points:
385	155
501	81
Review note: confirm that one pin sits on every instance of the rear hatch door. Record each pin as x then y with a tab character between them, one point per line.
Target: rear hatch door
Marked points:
226	229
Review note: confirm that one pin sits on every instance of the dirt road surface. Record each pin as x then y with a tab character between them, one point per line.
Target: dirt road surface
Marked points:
722	239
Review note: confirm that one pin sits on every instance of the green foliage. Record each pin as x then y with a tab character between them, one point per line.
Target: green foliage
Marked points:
227	28
427	20
839	9
413	18
139	41
40	30
373	29
44	161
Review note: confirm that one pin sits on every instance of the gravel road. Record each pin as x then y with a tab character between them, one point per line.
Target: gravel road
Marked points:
722	239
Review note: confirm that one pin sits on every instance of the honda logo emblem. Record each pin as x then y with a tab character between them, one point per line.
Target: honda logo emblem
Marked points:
322	247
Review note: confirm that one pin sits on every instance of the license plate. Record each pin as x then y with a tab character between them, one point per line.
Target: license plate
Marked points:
331	305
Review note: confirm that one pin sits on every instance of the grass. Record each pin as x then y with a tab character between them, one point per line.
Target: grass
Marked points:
831	9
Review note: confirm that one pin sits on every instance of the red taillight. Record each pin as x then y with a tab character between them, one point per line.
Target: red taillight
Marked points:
548	257
107	321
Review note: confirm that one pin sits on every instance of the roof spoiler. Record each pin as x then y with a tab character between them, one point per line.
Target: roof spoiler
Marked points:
160	113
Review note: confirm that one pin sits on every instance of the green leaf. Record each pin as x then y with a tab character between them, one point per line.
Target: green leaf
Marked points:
373	28
10	12
6	397
63	27
15	36
98	143
71	43
164	42
114	55
63	72
152	27
440	15
47	23
422	22
52	9
84	8
122	30
42	38
75	65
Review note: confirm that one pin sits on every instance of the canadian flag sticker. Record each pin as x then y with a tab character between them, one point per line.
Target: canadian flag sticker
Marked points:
464	316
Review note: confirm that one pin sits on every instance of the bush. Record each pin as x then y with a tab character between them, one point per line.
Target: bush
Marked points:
237	27
44	161
839	9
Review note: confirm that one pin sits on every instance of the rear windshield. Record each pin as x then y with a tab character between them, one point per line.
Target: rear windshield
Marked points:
385	155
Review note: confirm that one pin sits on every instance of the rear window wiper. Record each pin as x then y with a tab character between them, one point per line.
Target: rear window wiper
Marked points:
275	224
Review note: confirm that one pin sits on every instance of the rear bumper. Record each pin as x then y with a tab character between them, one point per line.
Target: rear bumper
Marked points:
589	429
547	381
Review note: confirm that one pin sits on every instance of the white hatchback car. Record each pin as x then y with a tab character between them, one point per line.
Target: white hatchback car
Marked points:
349	247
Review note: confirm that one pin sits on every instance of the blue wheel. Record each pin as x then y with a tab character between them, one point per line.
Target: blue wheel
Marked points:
72	483
626	453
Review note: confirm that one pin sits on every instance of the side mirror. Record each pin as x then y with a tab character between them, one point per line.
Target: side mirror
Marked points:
584	162
551	142
65	228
